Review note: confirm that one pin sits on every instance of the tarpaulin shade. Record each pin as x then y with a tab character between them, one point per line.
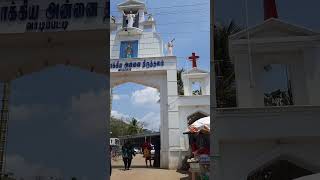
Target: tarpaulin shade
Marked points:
202	125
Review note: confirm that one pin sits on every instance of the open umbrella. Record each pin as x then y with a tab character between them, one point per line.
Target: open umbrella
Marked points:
201	125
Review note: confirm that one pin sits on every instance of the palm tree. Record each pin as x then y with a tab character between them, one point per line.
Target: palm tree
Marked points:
225	89
135	127
180	82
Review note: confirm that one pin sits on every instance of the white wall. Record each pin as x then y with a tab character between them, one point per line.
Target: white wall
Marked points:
150	45
244	137
312	70
253	97
238	160
74	23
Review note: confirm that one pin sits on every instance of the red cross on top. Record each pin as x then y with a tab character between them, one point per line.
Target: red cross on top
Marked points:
194	58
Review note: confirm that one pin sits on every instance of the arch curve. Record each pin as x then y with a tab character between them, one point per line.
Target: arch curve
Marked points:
154	80
282	165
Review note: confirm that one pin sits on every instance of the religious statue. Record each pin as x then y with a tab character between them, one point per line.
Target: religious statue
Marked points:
113	19
170	48
150	18
129	51
130	17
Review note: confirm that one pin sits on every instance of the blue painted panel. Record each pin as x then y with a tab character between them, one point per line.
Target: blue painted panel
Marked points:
129	49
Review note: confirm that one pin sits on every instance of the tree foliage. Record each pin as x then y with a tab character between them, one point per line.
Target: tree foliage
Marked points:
120	127
135	127
180	82
225	76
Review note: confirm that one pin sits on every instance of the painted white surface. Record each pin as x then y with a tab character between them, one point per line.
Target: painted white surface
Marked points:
251	135
174	109
75	24
81	46
310	177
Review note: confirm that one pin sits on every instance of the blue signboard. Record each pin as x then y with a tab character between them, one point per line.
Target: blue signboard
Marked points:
129	49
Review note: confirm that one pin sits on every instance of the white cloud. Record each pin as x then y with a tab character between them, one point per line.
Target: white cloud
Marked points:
151	121
88	114
28	112
115	97
145	96
23	168
119	115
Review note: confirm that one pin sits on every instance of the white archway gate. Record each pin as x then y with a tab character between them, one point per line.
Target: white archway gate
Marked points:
23	54
159	73
39	36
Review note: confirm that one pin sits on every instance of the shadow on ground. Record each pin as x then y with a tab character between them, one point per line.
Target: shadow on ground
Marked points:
185	173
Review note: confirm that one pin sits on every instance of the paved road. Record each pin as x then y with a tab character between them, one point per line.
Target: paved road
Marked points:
138	171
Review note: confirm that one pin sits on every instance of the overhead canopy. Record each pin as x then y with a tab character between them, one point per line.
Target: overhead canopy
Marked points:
202	125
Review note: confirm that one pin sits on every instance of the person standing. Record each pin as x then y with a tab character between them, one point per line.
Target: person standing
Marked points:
127	155
147	152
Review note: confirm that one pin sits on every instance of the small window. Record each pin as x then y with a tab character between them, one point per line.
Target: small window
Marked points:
196	88
277	85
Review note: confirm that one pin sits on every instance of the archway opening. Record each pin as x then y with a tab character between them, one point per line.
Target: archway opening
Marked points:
277	85
136	118
57	119
279	169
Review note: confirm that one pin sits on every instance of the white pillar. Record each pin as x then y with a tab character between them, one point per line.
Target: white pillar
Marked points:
164	139
245	94
175	134
141	16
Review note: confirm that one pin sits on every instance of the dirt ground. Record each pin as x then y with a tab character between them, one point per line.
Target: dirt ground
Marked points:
138	171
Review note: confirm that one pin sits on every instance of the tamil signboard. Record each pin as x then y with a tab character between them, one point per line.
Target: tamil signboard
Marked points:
58	15
142	64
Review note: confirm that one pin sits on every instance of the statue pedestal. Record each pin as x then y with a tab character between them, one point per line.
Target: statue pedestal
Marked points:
130	31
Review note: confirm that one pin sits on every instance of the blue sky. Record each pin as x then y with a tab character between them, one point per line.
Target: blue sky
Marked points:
188	22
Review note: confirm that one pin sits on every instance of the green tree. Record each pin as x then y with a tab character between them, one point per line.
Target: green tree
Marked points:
118	127
225	76
135	127
180	82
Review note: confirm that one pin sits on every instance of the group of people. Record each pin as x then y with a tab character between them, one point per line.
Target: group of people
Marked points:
128	153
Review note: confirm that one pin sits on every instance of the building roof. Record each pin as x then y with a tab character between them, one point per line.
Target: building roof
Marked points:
131	4
140	135
195	70
273	27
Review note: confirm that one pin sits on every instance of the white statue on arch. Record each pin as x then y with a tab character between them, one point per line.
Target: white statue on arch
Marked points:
130	17
150	17
169	47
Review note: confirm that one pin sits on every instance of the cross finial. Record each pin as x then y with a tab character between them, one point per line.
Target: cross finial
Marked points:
194	58
270	9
